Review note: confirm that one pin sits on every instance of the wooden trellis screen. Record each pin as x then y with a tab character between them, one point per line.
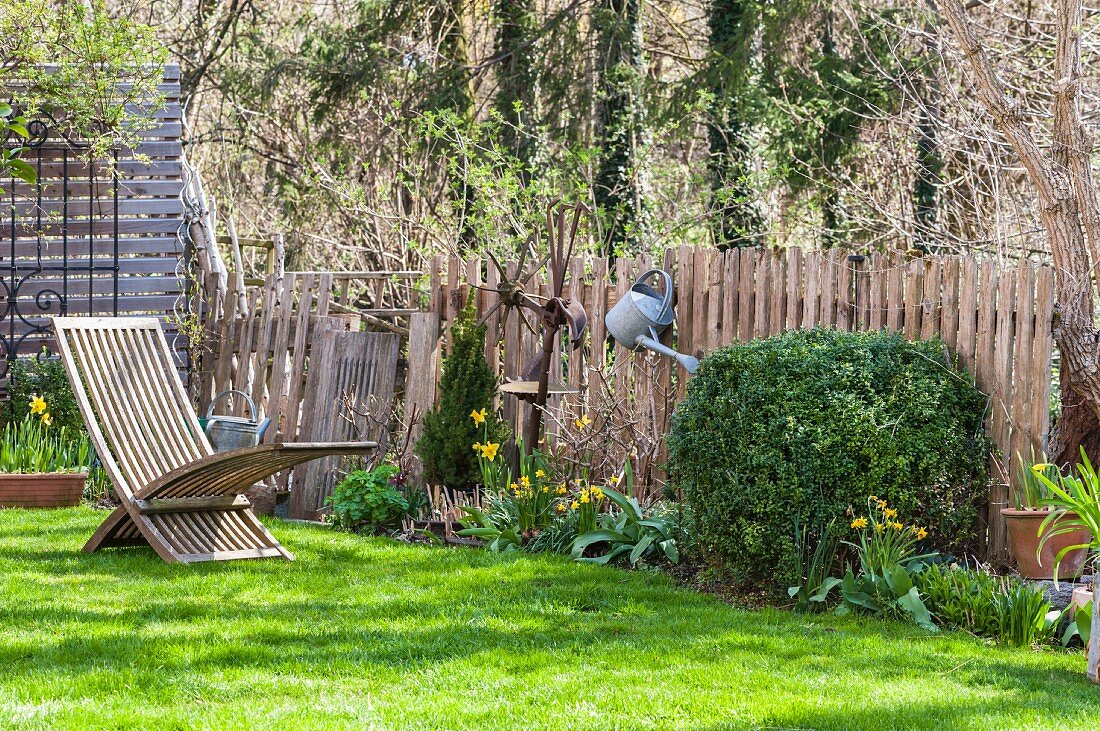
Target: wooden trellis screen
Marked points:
68	232
997	318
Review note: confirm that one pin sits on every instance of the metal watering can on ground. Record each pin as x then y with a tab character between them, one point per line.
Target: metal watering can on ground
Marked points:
234	432
638	319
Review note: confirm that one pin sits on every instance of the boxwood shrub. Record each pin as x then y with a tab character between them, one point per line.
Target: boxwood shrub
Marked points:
809	423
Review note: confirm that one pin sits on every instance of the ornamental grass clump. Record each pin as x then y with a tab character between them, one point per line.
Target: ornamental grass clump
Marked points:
799	426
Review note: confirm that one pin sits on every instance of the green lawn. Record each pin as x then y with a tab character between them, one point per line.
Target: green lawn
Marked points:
366	633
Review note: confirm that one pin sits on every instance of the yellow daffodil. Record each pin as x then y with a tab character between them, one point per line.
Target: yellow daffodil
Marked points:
47	419
478	416
921	534
561	490
614	480
584	499
578	481
583	422
1041	467
546	488
574	505
859	522
514	486
489	451
890	513
881	504
879	527
540	474
597	493
477	446
525	481
561	508
896	526
37	404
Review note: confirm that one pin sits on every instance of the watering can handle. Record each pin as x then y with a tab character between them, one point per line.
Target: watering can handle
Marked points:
667	302
223	394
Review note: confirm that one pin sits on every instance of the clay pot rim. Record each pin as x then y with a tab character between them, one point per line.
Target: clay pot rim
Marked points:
26	475
1031	512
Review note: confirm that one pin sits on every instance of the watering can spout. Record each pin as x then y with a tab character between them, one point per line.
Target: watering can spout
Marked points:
690	363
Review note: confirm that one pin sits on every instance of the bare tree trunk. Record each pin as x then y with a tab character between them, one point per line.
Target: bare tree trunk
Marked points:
1068	204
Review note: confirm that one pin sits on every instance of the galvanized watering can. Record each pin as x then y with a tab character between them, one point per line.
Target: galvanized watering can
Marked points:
234	432
638	319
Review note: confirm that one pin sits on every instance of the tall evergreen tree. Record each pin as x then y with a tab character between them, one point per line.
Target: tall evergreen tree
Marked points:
736	215
621	125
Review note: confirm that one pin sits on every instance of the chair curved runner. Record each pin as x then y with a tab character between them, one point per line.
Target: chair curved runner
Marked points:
178	495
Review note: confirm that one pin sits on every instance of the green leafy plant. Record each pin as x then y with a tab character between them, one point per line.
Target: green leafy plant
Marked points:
14	126
630	532
1080	626
527	508
804	424
814	567
32	446
1075	503
368	500
467	386
998	607
962	597
498	538
1025	615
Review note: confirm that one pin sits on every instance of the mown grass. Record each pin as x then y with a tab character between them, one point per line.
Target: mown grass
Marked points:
366	633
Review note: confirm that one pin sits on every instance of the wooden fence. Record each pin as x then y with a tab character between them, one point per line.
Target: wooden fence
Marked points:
265	343
997	319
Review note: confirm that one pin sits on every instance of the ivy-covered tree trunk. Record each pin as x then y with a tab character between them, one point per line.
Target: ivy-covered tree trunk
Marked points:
926	184
829	155
621	132
517	77
458	96
736	215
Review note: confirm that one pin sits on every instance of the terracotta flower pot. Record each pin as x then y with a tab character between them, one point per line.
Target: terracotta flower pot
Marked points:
49	490
1023	538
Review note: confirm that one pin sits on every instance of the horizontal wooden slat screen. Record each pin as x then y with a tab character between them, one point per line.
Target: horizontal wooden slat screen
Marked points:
61	234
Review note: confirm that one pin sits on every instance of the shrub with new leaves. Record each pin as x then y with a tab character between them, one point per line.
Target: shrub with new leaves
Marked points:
468	385
806	424
368	500
34	379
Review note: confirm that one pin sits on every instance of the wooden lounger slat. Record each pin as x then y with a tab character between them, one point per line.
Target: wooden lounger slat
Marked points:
179	496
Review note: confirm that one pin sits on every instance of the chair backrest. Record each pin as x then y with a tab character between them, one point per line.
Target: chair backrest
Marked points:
129	391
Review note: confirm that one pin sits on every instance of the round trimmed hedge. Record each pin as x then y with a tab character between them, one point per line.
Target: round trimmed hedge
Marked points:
806	424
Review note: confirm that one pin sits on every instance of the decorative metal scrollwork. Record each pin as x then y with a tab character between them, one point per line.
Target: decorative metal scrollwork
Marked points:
60	243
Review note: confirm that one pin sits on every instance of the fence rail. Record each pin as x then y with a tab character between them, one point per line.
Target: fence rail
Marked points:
995	318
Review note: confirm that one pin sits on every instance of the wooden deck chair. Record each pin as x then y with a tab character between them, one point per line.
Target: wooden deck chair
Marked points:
178	495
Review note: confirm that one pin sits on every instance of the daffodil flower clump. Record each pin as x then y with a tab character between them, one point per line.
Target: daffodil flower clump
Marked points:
884	541
534	496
